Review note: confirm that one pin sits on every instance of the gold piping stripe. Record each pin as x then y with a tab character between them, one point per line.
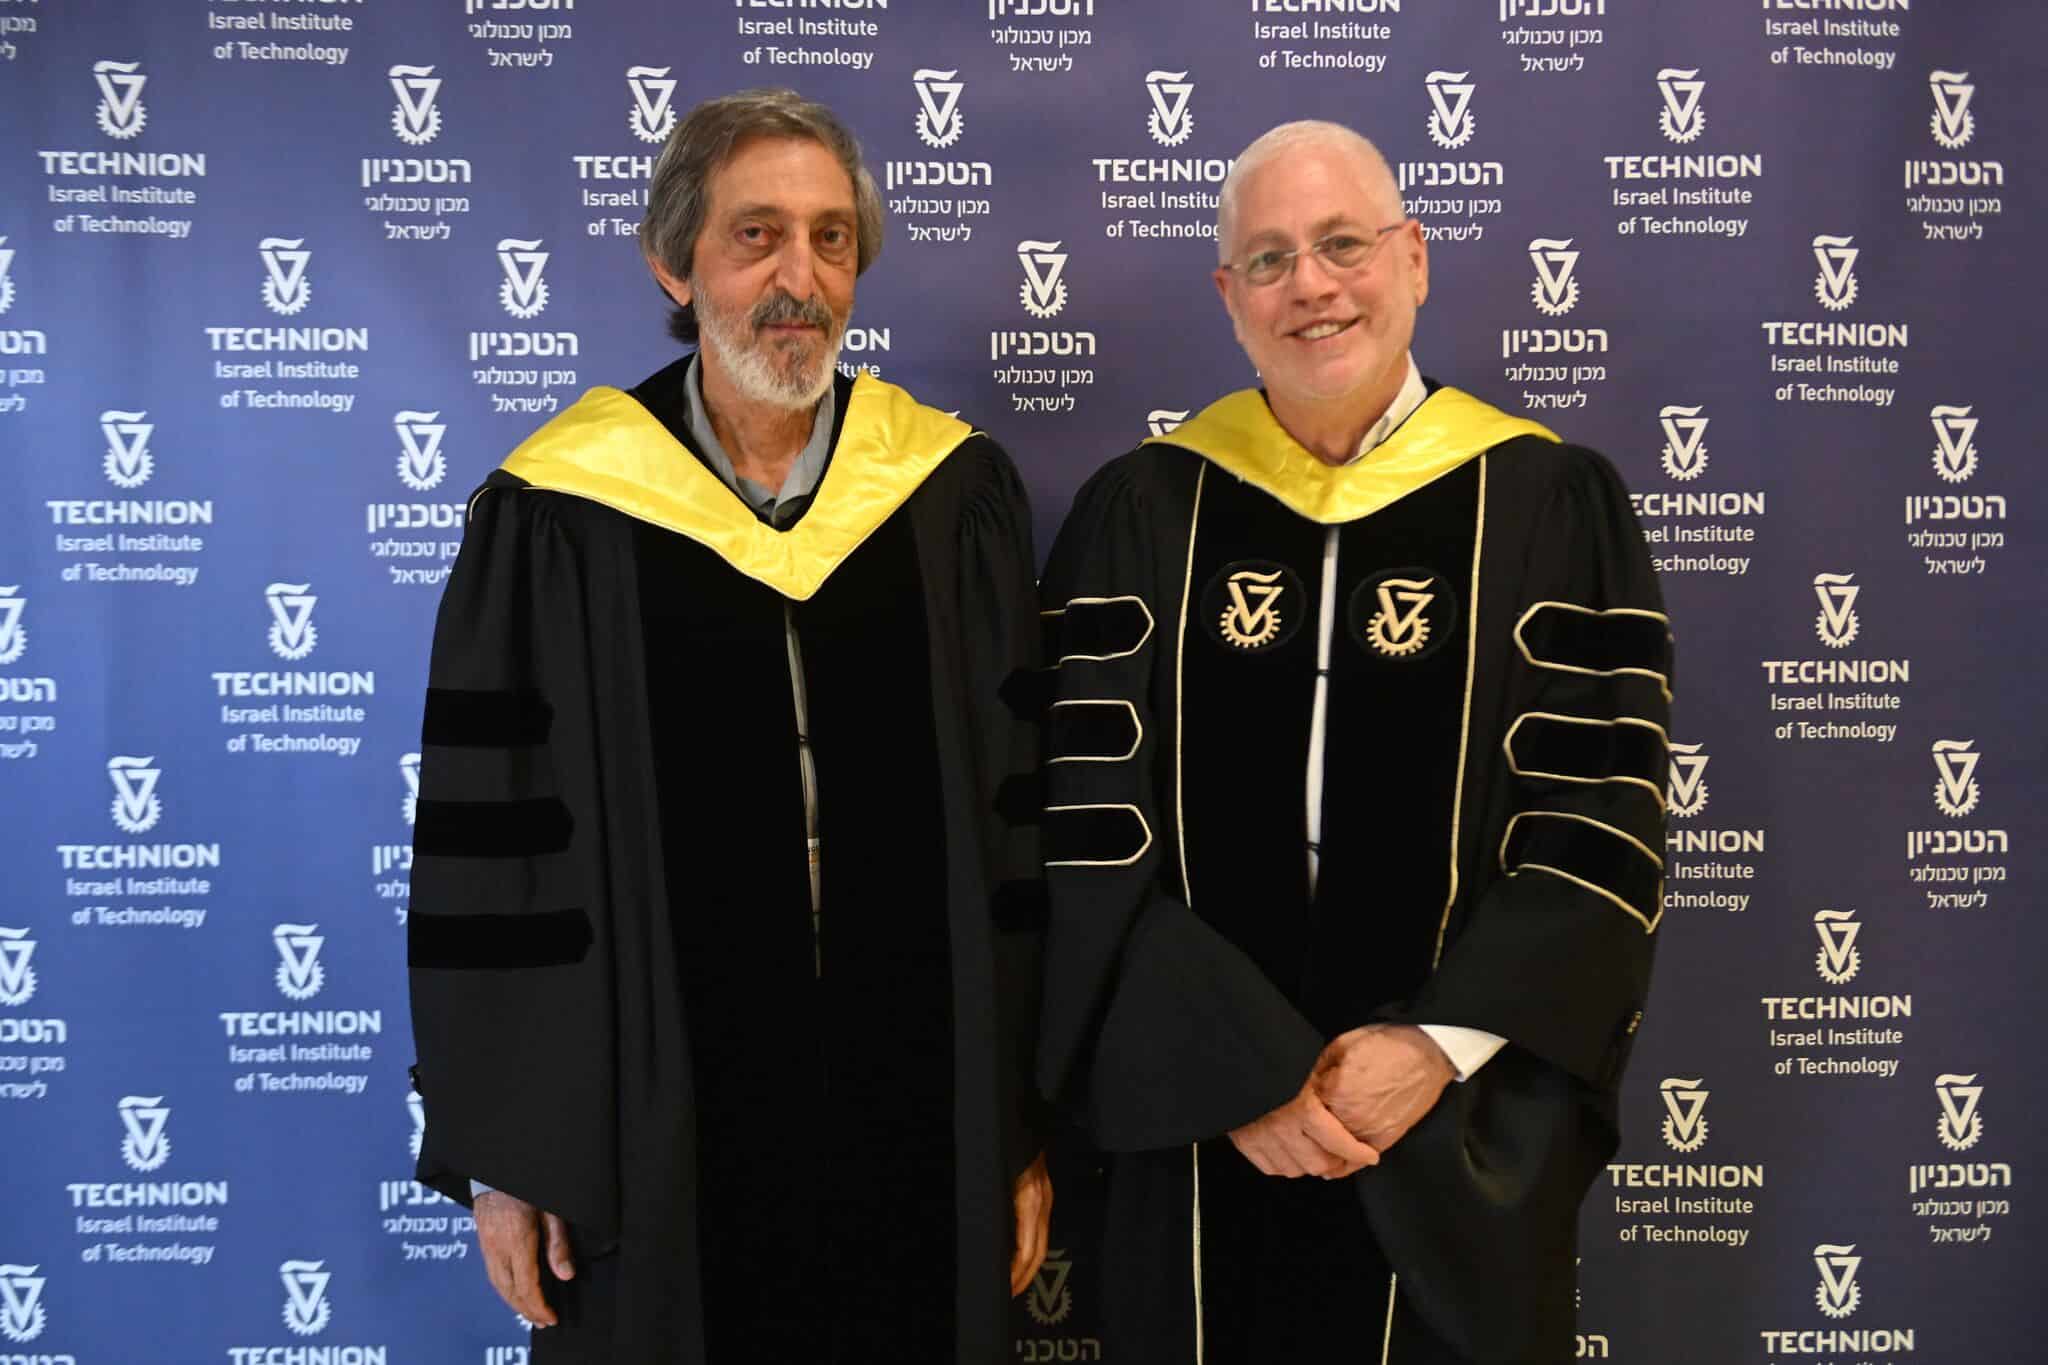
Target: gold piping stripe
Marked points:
1464	716
1649	925
1180	654
1150	624
1195	1160
1239	433
1507	744
1387	1337
1137	731
1663	679
1105	862
1618	833
608	448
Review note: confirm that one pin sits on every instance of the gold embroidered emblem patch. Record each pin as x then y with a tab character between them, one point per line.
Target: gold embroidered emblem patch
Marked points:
1253	617
1401	625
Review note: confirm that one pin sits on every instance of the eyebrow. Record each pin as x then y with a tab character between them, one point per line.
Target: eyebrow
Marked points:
1317	231
779	213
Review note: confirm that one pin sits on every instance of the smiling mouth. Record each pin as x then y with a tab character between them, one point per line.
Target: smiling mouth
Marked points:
1323	330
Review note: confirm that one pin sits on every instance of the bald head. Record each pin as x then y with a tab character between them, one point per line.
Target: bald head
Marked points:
1373	172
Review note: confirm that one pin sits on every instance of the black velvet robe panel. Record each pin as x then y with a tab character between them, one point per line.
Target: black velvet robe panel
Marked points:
1191	982
615	1000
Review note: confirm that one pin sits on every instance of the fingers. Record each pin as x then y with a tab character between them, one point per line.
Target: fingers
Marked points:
1032	1205
1322	1128
508	1234
560	1261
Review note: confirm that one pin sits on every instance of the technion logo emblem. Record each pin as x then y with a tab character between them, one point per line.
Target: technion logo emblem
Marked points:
1961	1126
127	462
1044	293
1837	1294
1681	119
1953	124
409	768
13	634
306	1309
939	121
523	291
299	974
286	289
1955	768
1686	794
1685	1118
137	807
1837	623
1170	123
1839	959
1685	442
652	115
1955	442
17	977
144	1146
421	466
1835	285
1451	123
415	118
21	1307
1554	292
121	113
292	633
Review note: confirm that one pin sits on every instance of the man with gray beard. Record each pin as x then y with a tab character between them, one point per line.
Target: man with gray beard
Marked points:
724	956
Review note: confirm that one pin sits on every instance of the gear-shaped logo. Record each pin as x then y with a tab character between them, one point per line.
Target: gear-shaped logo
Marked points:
300	985
1836	636
428	127
1685	472
152	810
1838	973
1950	805
138	119
1949	470
307	1322
278	302
1835	297
1971	1132
1691	1144
1380	632
1057	297
1568	298
1966	128
1154	125
955	126
1849	1299
537	299
1260	632
126	474
1671	129
1467	126
309	636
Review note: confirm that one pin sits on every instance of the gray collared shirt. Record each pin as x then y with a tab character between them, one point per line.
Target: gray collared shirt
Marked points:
776	507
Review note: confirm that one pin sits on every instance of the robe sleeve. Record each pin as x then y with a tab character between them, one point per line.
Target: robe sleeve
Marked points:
1158	1031
999	643
1555	956
510	987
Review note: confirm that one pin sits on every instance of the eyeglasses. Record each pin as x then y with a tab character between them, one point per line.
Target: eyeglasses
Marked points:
1346	251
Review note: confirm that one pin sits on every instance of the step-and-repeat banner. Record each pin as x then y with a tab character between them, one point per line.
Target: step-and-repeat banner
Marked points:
280	280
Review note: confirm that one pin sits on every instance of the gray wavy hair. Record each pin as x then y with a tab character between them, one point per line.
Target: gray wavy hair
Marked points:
679	192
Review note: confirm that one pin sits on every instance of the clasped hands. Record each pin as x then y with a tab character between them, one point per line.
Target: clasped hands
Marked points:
1366	1090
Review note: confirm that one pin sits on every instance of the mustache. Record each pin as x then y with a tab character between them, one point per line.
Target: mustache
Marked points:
782	308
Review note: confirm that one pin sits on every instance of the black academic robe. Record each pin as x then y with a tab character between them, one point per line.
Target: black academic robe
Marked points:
1491	857
776	1135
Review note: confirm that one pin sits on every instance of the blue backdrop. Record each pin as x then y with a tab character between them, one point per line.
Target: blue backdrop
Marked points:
280	281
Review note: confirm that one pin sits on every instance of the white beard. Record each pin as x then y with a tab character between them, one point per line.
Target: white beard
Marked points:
754	368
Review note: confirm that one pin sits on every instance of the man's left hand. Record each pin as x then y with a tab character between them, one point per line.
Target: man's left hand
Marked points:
1032	1200
1381	1079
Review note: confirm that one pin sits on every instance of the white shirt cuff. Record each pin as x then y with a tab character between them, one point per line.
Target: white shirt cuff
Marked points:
1468	1048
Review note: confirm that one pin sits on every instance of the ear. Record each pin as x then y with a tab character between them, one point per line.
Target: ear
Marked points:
677	288
1418	261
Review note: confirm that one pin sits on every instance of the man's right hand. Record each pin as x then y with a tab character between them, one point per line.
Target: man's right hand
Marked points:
510	1234
1302	1137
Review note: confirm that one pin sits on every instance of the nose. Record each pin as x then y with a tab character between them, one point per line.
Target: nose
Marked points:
796	267
1311	278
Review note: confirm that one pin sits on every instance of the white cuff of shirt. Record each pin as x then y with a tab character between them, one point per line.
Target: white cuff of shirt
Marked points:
1468	1048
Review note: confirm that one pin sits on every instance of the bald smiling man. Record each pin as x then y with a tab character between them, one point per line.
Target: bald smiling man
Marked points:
1355	822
